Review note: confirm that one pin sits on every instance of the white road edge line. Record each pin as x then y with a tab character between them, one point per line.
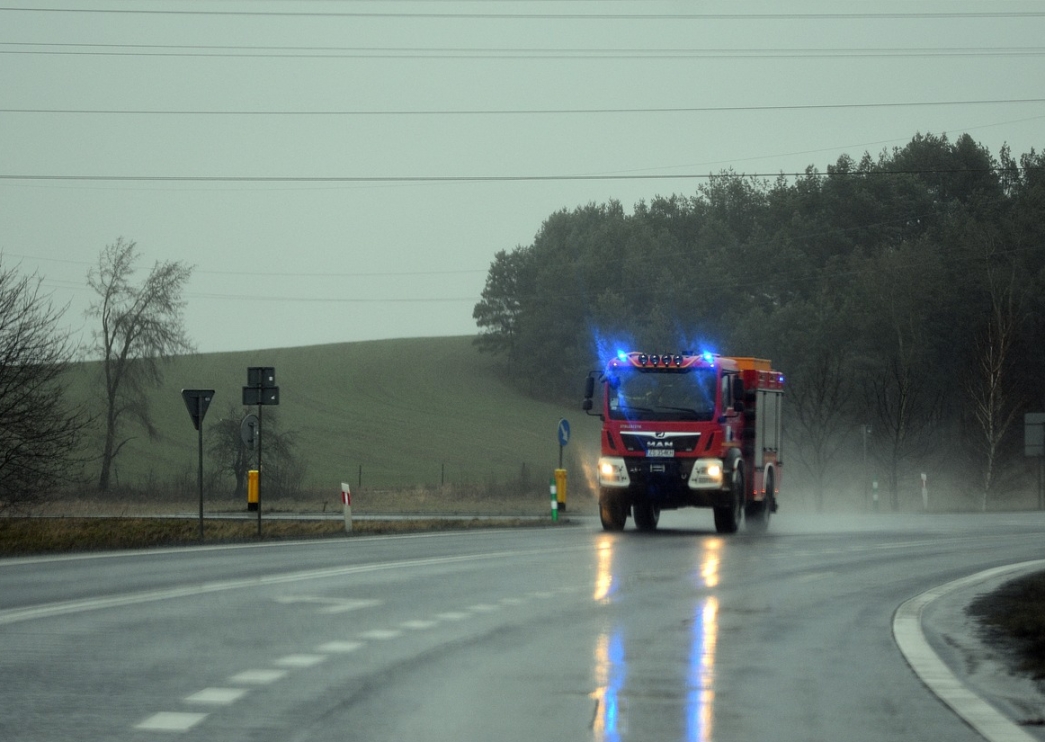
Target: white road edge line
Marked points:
28	613
907	631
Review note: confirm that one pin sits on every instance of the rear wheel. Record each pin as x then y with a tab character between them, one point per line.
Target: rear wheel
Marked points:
613	512
727	517
757	513
647	515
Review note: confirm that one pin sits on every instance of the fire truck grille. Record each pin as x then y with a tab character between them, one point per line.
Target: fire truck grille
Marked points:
678	443
661	479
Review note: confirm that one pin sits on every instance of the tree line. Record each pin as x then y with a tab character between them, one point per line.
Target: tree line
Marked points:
902	296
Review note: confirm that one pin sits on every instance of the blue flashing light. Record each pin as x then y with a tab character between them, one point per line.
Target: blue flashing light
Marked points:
708	356
622	355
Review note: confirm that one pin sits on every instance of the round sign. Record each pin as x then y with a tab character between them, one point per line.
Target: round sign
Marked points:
248	431
564	432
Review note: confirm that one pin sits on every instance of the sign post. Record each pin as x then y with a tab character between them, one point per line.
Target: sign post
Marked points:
248	433
196	402
261	390
560	473
1034	445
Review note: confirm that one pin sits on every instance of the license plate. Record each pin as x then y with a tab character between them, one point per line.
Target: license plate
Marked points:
661	453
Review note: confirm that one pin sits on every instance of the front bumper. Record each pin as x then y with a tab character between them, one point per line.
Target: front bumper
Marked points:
669	482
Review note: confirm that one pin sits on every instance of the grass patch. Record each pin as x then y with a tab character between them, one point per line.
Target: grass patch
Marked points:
1014	615
29	536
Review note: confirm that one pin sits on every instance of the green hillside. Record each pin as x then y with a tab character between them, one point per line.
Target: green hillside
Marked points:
409	411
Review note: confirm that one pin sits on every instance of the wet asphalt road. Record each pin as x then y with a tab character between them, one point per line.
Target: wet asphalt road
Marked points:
535	634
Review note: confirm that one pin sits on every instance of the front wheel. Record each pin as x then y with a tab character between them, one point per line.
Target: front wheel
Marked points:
727	517
613	511
647	516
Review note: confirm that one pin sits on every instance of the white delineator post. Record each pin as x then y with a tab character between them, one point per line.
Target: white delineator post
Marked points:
346	500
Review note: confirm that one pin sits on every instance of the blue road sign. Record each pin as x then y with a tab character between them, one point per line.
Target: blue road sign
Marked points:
564	432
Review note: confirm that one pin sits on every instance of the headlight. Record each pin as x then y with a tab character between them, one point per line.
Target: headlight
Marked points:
706	474
613	472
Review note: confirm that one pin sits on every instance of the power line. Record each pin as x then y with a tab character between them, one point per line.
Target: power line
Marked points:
515	112
974	15
481	53
276	274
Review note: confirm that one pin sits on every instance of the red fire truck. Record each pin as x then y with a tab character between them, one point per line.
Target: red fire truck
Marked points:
688	430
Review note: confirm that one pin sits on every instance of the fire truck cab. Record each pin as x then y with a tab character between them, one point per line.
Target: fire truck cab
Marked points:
687	430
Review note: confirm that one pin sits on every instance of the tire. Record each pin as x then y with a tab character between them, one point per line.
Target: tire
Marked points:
647	515
727	518
756	515
612	510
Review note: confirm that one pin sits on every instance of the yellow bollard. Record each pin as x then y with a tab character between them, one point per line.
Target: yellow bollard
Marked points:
560	487
252	489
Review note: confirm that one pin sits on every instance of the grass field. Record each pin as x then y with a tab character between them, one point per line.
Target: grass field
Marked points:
413	413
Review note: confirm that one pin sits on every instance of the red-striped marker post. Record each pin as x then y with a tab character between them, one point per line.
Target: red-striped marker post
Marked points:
346	501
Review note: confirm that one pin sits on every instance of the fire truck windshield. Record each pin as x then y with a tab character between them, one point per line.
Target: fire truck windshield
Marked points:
658	394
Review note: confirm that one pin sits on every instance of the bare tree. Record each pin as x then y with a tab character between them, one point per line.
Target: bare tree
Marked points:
39	431
904	404
993	407
821	390
141	327
284	468
228	449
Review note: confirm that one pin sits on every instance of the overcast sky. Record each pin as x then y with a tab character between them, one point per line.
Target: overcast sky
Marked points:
343	170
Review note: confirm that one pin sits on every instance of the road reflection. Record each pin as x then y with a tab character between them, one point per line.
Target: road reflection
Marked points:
611	670
611	661
700	685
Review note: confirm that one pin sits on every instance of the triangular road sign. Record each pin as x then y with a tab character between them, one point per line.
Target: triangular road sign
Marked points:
196	402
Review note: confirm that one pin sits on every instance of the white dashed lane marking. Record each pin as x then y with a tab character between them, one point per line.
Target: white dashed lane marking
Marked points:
300	660
453	616
258	677
329	605
176	721
339	647
418	625
380	635
217	696
171	721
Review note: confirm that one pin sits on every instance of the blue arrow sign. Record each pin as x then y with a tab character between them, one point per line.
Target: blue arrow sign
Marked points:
564	432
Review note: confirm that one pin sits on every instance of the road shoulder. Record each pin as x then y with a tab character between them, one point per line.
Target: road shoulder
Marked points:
942	645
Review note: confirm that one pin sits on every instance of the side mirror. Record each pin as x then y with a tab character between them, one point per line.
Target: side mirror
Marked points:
738	394
589	391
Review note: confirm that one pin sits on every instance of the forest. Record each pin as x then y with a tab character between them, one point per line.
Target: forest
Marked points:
900	294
